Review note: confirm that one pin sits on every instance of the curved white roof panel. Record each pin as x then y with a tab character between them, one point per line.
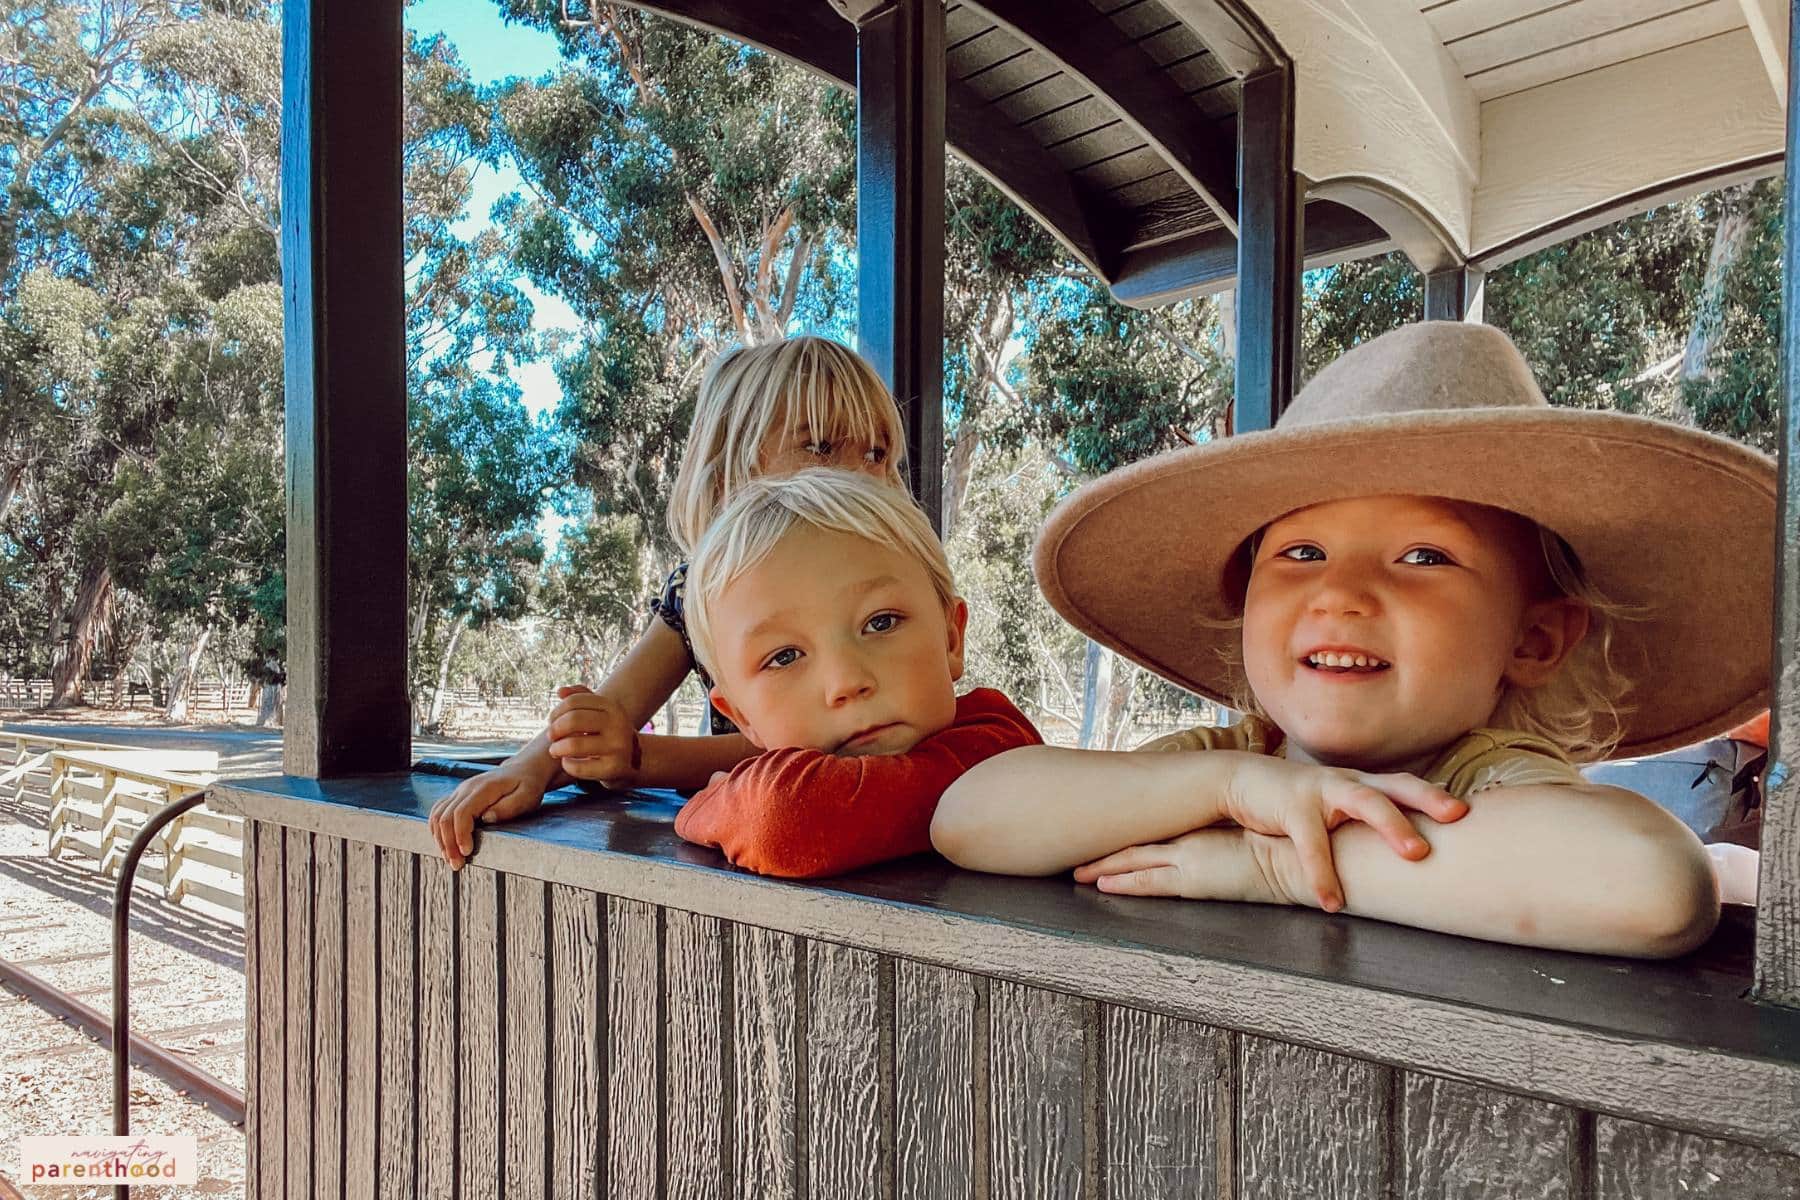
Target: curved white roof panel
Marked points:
1504	125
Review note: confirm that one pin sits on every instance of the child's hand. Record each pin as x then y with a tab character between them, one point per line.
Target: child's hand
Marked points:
1207	864
497	795
592	738
1304	803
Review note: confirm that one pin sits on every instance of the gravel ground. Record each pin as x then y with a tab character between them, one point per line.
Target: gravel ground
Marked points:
187	973
187	994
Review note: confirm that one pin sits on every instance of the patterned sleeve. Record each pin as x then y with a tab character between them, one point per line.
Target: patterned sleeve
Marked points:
670	604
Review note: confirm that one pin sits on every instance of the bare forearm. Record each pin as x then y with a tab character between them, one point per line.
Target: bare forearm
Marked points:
1598	871
535	757
688	762
1039	810
648	674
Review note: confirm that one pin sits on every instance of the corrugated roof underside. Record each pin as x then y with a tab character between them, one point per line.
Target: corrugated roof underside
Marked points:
1110	163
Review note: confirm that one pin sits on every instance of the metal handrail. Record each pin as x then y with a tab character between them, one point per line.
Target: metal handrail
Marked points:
121	963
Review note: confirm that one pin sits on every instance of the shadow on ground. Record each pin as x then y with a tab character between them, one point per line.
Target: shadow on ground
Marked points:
153	917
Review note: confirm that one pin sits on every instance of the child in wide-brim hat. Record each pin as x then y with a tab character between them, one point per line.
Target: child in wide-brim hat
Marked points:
1428	590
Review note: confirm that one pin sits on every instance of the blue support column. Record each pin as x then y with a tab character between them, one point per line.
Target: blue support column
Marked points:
1270	239
342	274
900	220
1778	898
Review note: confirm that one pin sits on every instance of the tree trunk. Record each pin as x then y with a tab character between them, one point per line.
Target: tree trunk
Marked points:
436	712
93	605
184	679
672	715
1091	664
957	469
1118	709
269	705
1227	302
1709	312
10	478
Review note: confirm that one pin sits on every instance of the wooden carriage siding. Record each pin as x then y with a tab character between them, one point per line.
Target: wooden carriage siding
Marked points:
597	1011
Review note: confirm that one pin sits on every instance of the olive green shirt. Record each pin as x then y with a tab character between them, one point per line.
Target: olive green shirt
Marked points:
1481	758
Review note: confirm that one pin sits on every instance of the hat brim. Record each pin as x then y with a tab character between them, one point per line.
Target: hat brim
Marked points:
1677	524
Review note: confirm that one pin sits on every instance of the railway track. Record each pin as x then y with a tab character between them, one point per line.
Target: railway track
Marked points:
165	1064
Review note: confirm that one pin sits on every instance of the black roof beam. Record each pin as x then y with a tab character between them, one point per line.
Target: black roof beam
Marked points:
1206	262
1119	71
817	37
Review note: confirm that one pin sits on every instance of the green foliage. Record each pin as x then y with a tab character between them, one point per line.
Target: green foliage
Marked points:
1108	386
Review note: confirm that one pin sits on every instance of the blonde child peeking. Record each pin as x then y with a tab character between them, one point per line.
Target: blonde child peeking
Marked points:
1425	584
823	608
766	410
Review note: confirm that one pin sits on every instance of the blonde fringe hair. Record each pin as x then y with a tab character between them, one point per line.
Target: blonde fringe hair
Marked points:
766	510
748	393
1581	709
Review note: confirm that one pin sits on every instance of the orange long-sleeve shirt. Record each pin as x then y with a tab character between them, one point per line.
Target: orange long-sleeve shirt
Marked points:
806	813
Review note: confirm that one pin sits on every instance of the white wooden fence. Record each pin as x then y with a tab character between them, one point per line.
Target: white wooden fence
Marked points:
95	797
216	696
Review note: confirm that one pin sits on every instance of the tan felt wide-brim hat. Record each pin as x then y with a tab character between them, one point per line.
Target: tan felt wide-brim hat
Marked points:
1677	524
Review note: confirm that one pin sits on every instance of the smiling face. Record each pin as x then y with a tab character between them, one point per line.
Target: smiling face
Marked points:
1379	630
838	643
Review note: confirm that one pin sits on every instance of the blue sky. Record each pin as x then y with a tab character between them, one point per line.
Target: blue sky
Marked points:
494	50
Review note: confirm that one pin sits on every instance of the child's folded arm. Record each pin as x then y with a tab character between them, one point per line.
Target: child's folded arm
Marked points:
669	761
1585	868
806	813
1039	810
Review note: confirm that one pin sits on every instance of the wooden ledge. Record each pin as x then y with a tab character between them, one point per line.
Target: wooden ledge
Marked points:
1673	1043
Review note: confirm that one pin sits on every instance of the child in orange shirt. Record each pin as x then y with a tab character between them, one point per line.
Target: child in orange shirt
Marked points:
765	410
822	606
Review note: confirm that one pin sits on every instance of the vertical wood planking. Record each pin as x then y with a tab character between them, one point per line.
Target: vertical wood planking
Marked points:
362	1019
527	1035
935	1041
765	1023
634	1029
1168	1083
577	1084
1311	1124
696	1073
1633	1161
1457	1139
843	1072
253	968
299	885
1038	1094
271	917
328	1016
439	1130
397	1025
480	1034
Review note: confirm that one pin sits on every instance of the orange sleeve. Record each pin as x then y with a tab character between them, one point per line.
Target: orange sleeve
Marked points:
805	813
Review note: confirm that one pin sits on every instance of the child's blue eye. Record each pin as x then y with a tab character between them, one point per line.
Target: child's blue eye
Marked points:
883	622
1304	552
1425	556
787	656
